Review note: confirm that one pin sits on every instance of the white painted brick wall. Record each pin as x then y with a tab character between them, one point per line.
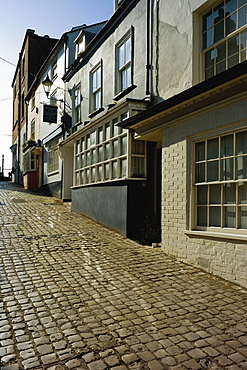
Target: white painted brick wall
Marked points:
226	259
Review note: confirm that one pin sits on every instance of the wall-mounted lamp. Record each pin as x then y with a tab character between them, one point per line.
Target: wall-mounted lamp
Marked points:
47	84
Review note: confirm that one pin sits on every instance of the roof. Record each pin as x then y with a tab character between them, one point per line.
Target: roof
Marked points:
110	26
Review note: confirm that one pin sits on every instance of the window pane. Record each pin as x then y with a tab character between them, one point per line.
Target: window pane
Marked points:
100	135
230	217
82	145
138	147
114	169
115	148
231	6
227	146
200	151
107	131
233	45
202	195
93	174
213	148
88	161
77	162
100	153
107	151
214	216
242	217
200	172
93	155
215	194
87	140
137	166
231	23
93	138
87	176
107	171
128	51
230	193
241	2
212	172
242	16
115	128
82	160
227	169
209	73
241	143
219	29
233	61
100	173
242	193
207	21
121	56
209	58
208	38
202	216
221	52
221	67
123	167
123	146
241	167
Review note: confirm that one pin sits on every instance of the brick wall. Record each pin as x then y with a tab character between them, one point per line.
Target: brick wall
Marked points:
223	257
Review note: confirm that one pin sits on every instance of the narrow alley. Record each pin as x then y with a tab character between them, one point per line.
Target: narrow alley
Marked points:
76	295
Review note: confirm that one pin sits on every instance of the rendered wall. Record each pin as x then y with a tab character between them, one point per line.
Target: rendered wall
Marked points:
227	257
106	205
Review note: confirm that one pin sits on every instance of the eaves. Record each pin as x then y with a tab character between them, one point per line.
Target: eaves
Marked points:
218	88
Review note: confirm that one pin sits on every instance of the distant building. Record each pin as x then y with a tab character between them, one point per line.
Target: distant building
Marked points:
32	55
43	165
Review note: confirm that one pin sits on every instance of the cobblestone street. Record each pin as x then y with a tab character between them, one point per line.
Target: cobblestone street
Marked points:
76	295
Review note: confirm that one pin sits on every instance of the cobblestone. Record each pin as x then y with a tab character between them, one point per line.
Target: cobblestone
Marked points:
76	295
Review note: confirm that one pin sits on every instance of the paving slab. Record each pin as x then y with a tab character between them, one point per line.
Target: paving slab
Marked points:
76	295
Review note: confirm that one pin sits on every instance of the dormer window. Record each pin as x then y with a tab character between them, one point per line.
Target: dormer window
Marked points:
82	41
117	3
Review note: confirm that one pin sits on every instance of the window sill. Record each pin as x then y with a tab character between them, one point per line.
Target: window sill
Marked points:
215	235
95	112
124	92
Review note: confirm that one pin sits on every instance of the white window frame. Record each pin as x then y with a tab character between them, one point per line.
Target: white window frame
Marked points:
219	54
77	104
124	63
96	80
32	129
107	153
29	161
52	157
229	188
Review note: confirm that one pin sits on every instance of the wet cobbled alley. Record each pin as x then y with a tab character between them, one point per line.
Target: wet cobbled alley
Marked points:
76	295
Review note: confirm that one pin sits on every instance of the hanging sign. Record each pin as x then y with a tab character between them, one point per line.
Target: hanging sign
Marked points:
50	113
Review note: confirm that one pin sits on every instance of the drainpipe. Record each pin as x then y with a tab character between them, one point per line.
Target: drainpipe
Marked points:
19	122
148	51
